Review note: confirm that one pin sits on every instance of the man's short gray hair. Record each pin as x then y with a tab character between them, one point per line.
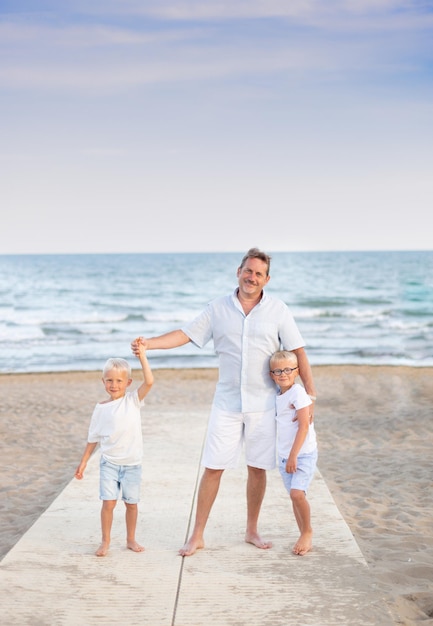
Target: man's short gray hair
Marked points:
255	253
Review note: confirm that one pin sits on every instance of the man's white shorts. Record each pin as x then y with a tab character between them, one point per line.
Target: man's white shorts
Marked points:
227	431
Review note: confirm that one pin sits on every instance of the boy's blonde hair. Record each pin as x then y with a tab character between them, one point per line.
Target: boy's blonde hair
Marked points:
117	364
279	355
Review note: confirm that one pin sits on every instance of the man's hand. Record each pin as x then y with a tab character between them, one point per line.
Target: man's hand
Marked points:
135	345
311	414
311	407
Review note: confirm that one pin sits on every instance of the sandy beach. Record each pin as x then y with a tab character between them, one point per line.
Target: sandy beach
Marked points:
375	432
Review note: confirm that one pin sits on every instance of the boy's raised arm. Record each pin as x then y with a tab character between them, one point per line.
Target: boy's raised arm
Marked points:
147	383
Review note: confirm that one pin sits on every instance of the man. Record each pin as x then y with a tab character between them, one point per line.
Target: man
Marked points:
247	327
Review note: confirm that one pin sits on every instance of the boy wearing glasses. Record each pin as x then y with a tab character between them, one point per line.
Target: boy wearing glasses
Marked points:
296	441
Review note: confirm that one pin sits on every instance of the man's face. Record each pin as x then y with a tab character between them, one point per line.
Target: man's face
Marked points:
252	278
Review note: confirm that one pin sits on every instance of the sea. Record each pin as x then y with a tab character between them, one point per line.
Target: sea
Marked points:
71	312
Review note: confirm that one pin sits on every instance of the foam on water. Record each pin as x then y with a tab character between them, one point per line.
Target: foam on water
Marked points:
70	312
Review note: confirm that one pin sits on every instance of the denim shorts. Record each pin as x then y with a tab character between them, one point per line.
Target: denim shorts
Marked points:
119	479
301	479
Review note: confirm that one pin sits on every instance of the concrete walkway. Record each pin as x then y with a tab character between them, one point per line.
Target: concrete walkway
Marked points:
52	578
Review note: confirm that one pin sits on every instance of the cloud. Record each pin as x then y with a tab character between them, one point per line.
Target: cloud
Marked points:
335	15
94	54
215	108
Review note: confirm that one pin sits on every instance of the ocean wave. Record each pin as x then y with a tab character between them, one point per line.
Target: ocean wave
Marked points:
12	334
72	312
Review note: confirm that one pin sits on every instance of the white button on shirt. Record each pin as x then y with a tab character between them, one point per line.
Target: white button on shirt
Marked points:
244	344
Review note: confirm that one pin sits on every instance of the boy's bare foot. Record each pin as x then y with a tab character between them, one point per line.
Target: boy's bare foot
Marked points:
134	546
103	549
191	547
304	544
257	541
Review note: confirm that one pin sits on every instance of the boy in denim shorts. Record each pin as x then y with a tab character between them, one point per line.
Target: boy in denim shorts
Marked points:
116	426
296	441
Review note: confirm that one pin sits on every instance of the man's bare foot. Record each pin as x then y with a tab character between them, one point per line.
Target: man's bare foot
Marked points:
134	546
103	549
257	541
191	547
304	544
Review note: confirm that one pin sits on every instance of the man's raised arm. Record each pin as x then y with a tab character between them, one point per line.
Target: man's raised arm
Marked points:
173	339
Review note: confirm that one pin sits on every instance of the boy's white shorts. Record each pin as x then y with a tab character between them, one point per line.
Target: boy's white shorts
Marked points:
228	430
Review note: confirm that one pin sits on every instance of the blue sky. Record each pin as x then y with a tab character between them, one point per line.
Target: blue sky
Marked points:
212	126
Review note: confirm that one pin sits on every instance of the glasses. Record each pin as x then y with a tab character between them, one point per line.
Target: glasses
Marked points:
286	370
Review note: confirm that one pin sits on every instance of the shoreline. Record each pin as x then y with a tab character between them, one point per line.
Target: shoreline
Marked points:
375	432
188	370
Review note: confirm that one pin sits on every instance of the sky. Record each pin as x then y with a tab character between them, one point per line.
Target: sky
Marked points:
170	126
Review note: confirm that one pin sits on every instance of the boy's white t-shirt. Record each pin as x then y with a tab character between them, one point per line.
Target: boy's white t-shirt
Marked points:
287	404
116	426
